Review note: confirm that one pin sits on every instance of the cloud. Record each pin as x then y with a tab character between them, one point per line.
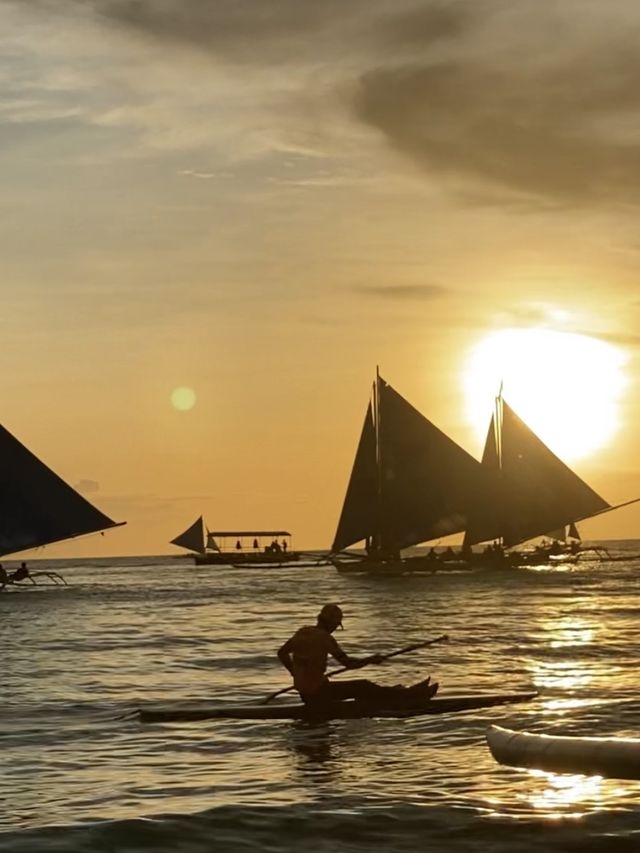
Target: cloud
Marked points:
252	31
537	100
618	338
87	486
423	25
402	292
191	173
517	113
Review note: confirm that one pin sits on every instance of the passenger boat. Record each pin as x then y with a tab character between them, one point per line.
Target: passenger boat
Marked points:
618	758
348	710
247	548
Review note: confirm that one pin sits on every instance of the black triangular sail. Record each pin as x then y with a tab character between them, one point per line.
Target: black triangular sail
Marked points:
192	538
36	506
430	485
536	492
542	491
358	517
486	521
410	482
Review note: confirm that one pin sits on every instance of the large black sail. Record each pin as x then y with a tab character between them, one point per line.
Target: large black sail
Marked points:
540	491
358	517
420	485
486	521
192	538
537	491
430	485
36	506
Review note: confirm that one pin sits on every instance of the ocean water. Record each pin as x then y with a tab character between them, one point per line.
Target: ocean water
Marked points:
79	772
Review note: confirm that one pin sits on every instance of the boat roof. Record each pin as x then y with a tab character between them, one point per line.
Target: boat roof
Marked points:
249	533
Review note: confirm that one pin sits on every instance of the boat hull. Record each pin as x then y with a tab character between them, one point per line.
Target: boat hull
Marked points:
405	566
233	558
617	758
338	711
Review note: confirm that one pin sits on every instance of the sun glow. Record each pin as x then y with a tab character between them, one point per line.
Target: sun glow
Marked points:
183	398
566	387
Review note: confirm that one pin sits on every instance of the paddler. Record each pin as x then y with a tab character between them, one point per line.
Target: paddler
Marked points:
305	656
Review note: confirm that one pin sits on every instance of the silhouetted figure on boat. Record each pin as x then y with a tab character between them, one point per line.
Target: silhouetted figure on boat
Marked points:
4	577
21	574
376	554
305	655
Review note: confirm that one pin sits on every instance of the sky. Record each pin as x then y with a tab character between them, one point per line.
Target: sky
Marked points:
262	200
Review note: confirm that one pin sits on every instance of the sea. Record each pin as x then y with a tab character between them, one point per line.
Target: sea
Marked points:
80	772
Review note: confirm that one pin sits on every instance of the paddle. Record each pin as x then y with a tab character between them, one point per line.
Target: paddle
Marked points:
412	648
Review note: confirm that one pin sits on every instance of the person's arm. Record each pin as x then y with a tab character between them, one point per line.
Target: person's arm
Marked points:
284	654
338	653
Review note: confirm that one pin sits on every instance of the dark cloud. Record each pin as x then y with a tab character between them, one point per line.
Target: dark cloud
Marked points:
554	133
426	24
243	30
402	292
538	100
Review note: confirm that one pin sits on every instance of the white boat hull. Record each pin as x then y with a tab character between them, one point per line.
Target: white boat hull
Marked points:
617	758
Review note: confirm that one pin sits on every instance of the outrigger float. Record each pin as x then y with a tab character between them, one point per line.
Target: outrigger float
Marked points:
613	757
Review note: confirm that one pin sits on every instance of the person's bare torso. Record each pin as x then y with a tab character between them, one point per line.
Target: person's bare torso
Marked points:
310	647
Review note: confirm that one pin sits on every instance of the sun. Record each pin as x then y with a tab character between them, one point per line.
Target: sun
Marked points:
183	398
566	387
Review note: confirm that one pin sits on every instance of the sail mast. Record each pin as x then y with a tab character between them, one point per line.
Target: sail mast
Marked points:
377	534
497	425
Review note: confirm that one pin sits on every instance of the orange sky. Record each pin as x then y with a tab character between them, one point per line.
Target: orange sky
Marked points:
262	201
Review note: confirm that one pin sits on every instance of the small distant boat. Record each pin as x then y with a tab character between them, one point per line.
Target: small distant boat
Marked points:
532	493
347	710
37	507
617	758
410	483
247	548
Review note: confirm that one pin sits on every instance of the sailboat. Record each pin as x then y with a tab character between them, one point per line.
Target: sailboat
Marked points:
37	507
533	491
248	550
410	484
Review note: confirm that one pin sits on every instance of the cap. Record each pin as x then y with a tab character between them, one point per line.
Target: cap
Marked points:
331	614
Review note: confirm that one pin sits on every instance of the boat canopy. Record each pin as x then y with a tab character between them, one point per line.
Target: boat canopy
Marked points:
258	533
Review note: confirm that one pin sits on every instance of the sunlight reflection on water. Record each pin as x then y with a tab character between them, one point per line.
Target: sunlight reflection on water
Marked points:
82	657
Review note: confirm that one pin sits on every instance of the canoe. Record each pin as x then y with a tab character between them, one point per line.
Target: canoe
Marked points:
618	758
338	711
